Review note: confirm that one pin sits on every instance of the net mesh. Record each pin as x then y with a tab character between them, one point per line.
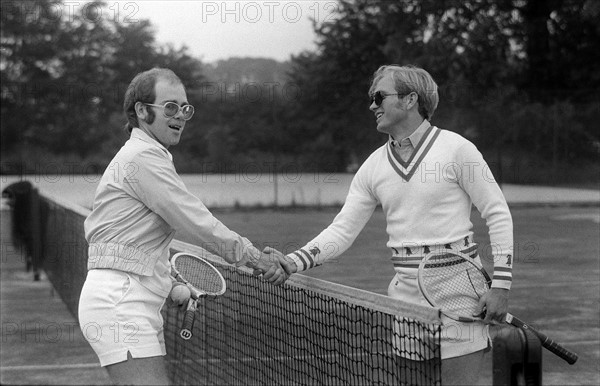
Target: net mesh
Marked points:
257	333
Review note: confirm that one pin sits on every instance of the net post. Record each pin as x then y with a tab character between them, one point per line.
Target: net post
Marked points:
24	202
533	360
36	233
517	357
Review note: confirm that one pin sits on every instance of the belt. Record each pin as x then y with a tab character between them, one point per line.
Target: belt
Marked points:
411	256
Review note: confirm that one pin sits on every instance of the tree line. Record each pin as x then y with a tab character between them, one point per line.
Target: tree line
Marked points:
517	77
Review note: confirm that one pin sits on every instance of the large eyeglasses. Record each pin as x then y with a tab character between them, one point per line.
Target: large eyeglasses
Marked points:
170	109
378	97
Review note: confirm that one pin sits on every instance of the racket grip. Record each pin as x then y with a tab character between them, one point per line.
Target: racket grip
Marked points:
552	346
549	344
188	322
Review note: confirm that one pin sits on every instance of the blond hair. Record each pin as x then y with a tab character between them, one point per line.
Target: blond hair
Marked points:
409	79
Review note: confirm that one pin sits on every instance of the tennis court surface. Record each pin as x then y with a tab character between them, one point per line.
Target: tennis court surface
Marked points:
308	332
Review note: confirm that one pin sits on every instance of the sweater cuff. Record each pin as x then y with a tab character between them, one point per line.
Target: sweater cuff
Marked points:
504	284
502	277
303	260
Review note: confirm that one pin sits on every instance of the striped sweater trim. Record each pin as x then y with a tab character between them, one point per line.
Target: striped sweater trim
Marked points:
502	276
414	262
407	163
406	169
303	259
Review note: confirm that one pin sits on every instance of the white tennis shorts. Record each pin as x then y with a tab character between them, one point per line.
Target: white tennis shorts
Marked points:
118	315
457	338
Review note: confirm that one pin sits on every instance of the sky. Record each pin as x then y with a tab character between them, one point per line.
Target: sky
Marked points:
214	30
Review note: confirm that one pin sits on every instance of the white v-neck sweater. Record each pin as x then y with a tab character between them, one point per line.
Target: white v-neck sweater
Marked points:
427	202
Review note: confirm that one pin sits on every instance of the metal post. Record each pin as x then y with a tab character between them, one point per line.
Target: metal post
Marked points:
517	357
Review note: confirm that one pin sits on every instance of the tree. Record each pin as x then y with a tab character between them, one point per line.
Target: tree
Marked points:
64	75
484	54
55	76
26	60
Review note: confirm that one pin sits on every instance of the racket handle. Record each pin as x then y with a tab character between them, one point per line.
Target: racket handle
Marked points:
549	344
188	321
557	349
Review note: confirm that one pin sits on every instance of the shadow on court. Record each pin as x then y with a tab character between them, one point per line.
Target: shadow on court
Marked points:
41	340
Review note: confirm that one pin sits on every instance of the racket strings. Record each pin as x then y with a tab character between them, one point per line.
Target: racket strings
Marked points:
199	274
453	284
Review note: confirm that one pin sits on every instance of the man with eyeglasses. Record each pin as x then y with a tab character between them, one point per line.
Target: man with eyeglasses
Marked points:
139	204
426	180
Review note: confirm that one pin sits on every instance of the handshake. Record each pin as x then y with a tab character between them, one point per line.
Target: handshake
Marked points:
274	266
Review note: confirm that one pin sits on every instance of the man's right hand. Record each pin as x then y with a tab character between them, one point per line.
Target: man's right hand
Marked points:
286	263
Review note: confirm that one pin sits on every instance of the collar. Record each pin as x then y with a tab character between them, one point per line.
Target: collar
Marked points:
143	136
416	135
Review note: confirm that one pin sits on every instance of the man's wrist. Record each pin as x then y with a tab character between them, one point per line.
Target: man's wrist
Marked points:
501	284
253	257
297	262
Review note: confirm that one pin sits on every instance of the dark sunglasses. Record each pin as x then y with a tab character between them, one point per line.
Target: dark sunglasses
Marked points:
378	97
170	109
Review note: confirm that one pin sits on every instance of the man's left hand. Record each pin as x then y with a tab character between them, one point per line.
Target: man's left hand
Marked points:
495	304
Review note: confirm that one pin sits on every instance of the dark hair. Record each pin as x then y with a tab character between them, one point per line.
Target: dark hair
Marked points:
141	89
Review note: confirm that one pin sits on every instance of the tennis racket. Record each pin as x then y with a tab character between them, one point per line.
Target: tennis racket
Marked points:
454	283
202	278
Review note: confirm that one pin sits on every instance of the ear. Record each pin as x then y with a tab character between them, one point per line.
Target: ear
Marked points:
411	100
140	110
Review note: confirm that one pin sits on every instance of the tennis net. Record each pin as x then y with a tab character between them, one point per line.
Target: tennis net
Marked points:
307	331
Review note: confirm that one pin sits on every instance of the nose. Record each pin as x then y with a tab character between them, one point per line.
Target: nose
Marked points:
373	106
179	114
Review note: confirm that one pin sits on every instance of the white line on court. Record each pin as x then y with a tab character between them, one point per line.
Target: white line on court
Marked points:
581	342
557	284
594	217
51	367
205	360
281	358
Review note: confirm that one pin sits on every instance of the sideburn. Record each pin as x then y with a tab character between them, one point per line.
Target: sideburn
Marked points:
150	117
